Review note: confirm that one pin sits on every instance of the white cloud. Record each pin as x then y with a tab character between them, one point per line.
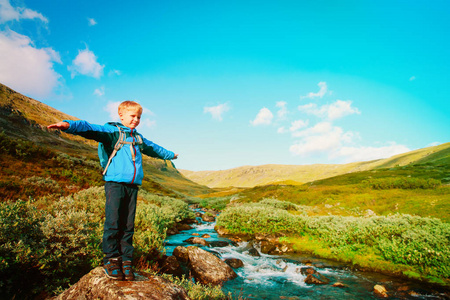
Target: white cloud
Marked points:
25	68
112	108
282	130
321	138
9	13
331	111
296	125
92	22
86	64
353	154
282	112
217	111
322	91
100	91
114	72
264	117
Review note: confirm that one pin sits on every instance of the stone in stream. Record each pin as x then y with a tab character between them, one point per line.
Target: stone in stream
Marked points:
306	271
181	254
207	268
182	227
253	252
234	262
218	244
380	291
206	236
171	265
196	240
208	217
316	278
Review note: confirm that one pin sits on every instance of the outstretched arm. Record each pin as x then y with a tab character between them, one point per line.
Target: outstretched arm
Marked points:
175	156
60	125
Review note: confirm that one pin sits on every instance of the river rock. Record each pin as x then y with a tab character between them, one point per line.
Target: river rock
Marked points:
172	231
208	218
234	262
170	265
196	234
338	284
207	268
267	246
219	244
221	230
96	285
181	254
182	227
206	236
380	291
197	240
306	271
253	252
316	278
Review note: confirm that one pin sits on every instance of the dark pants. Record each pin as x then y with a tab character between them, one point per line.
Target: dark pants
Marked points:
120	210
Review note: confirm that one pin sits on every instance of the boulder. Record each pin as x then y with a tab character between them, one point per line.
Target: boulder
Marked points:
306	271
253	252
197	240
182	227
234	262
206	236
267	246
316	278
170	265
172	231
221	230
207	268
219	244
96	285
208	218
181	254
380	291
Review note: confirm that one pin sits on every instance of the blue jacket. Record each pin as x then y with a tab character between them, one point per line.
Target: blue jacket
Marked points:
122	167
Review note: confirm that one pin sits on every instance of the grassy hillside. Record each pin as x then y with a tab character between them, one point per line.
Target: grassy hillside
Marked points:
250	176
37	162
420	189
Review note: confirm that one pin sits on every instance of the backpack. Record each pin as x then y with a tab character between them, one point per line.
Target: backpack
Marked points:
105	160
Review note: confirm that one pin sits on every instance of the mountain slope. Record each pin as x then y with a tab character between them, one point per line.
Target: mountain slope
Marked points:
36	161
250	176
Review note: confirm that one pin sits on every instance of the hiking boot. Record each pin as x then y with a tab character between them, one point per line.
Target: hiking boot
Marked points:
113	268
127	267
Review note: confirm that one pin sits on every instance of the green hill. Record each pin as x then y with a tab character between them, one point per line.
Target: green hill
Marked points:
251	176
37	162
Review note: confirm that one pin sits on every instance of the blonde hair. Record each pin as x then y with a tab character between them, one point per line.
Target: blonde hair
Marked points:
130	105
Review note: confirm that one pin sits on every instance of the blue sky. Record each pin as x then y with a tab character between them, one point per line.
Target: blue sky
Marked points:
233	83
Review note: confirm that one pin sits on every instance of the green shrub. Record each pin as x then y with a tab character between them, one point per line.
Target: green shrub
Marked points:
46	250
279	204
21	246
423	243
403	183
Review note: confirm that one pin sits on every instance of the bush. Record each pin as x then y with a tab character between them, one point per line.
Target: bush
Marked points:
21	246
46	250
423	243
403	183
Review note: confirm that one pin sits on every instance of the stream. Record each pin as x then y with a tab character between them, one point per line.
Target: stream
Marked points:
278	276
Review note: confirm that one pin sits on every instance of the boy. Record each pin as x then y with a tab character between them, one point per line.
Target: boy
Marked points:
122	177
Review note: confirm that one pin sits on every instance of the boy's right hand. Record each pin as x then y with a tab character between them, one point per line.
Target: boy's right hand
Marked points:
60	125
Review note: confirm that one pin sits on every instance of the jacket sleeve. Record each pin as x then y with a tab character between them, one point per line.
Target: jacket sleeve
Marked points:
90	131
154	150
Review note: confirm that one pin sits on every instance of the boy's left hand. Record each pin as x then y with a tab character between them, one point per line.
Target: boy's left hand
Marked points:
175	156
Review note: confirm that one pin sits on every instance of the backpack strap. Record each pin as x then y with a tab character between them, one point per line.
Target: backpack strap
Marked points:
120	142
